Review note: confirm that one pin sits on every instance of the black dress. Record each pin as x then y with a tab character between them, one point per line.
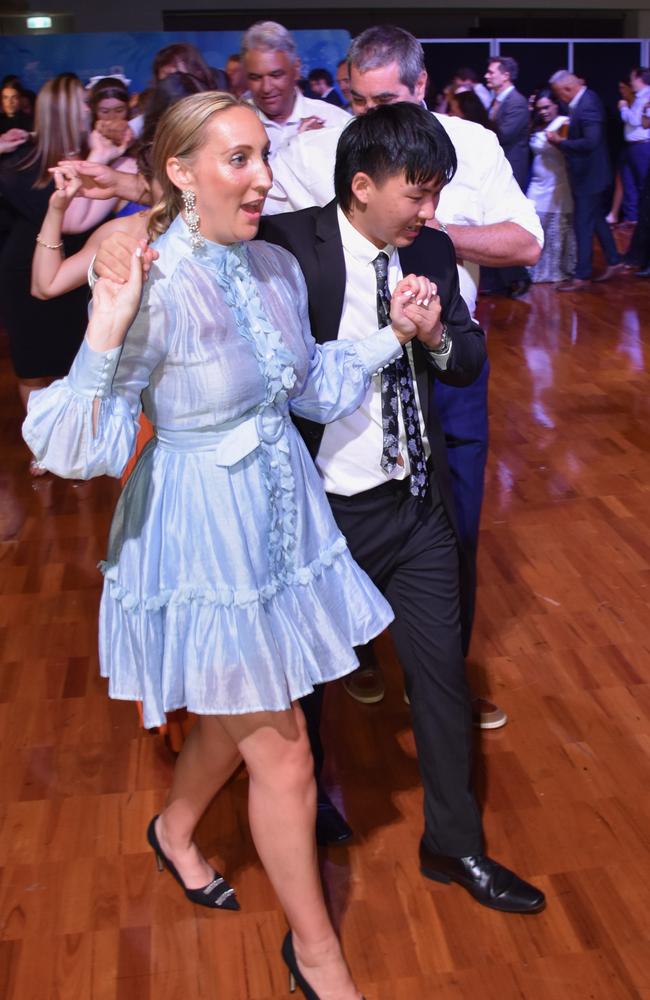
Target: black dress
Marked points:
44	337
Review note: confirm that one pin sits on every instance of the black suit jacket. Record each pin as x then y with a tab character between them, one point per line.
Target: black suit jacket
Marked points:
314	238
586	147
513	128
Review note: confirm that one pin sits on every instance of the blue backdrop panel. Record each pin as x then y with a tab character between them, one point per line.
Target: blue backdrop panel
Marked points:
37	58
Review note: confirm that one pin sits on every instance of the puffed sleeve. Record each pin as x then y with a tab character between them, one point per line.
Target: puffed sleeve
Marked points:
64	433
339	371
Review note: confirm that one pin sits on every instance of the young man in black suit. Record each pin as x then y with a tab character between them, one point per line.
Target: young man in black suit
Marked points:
385	468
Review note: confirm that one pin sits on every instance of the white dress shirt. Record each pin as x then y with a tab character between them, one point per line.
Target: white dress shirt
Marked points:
484	95
500	98
279	133
634	131
482	192
575	100
349	457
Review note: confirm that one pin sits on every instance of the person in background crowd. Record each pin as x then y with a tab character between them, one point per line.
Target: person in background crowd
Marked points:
11	116
282	599
272	70
626	96
550	191
639	251
465	104
181	57
321	84
108	100
636	159
466	78
509	112
343	81
236	76
44	337
590	174
53	275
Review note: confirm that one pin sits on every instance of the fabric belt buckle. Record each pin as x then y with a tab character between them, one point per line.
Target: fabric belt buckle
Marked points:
270	424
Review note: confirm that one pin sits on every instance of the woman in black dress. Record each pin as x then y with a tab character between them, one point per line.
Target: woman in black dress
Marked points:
44	336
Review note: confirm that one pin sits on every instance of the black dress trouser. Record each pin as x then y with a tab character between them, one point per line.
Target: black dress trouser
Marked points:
409	550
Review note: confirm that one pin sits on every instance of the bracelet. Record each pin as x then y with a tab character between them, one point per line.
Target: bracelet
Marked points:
442	227
92	276
48	246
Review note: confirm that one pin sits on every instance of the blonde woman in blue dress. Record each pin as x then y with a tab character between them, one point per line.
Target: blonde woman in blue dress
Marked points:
228	588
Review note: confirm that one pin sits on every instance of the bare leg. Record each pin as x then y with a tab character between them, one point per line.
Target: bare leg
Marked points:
208	758
282	811
617	200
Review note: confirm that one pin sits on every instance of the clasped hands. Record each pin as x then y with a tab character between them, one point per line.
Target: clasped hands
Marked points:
415	311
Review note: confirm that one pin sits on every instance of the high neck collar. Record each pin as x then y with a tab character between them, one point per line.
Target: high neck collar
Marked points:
210	254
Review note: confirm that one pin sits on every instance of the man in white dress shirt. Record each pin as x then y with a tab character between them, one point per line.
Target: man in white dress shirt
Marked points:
490	222
272	69
637	138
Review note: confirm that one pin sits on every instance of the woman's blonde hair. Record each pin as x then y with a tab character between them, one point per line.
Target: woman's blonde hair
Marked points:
180	134
60	124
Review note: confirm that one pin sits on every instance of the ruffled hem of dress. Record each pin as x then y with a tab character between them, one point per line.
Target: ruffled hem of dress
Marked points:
227	709
230	660
223	597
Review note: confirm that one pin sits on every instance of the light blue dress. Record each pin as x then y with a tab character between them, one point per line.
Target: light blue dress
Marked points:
228	587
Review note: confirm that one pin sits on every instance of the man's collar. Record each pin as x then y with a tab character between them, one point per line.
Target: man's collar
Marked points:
576	97
504	93
296	114
356	243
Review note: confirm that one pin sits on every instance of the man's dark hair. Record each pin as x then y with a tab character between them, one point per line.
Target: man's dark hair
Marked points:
507	65
466	73
389	140
642	73
321	74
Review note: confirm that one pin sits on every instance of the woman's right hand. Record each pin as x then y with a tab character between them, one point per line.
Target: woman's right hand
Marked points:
113	259
115	306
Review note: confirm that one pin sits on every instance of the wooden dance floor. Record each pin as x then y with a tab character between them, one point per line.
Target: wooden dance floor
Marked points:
562	643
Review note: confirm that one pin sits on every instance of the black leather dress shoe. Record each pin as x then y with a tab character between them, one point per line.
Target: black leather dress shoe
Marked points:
486	880
519	288
331	828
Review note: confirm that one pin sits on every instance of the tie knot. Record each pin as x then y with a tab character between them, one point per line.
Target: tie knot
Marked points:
380	264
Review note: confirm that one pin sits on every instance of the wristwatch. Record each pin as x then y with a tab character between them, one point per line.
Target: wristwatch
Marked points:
444	345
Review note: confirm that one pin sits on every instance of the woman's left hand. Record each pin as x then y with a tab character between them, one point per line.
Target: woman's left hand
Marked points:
67	184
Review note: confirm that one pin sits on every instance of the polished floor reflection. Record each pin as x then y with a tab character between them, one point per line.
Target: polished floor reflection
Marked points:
562	643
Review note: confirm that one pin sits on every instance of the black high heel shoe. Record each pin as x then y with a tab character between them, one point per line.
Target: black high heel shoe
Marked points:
296	977
216	894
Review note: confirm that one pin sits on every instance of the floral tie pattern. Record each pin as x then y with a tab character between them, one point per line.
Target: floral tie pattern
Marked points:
397	386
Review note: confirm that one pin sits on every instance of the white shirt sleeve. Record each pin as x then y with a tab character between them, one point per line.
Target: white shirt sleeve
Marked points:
303	171
484	190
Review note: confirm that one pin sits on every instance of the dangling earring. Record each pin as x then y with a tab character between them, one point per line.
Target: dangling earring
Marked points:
192	219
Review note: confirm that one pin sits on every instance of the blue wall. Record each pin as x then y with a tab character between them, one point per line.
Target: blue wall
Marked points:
36	58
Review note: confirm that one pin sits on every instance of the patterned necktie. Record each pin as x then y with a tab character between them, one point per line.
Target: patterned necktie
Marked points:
397	380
